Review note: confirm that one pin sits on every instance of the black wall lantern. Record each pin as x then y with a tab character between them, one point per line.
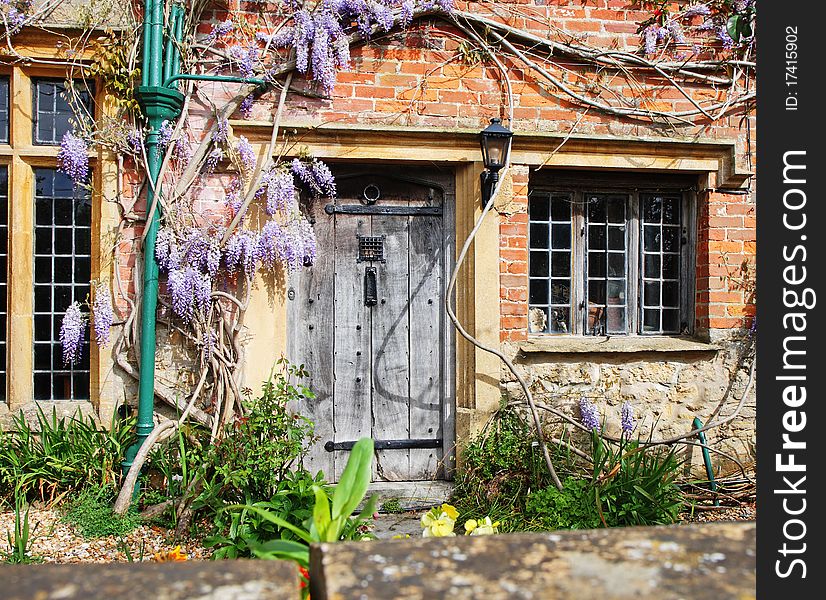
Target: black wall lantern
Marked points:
496	144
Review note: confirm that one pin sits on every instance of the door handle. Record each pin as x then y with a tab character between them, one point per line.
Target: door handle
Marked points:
371	293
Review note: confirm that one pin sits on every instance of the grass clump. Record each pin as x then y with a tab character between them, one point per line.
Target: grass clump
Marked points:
91	513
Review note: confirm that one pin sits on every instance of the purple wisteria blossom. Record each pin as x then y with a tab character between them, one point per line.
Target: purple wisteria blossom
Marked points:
650	37
190	290
213	159
627	418
73	158
246	154
589	414
103	315
246	106
697	10
183	150
221	132
316	176
167	252
241	252
221	29
722	34
165	135
280	191
72	333
676	32
134	140
292	244
271	244
233	197
246	57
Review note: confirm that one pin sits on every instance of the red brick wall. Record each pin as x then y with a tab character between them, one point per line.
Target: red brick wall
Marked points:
416	78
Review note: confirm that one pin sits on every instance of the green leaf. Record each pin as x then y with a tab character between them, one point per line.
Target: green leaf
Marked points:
355	478
733	27
276	520
321	514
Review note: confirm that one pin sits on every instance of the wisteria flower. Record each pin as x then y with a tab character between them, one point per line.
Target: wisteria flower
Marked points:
241	252
281	192
190	290
103	315
73	158
246	106
134	139
165	135
627	418
72	333
316	176
221	29
589	415
167	252
214	158
246	154
221	132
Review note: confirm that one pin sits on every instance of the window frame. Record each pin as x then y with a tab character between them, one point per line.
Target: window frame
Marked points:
23	155
578	187
87	87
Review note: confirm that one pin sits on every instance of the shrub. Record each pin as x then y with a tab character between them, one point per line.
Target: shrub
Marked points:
635	484
257	460
60	455
91	512
244	530
572	508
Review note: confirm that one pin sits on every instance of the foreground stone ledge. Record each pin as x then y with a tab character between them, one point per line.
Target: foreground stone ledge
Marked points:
202	580
715	560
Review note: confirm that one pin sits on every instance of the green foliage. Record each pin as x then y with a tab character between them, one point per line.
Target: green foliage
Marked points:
255	461
91	512
331	519
258	450
243	530
503	476
111	68
571	508
392	506
19	542
635	484
60	455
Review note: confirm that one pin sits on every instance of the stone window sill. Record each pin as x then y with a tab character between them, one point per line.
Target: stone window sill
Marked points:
559	344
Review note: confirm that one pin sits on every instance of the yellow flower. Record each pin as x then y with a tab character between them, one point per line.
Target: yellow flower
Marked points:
450	511
485	527
470	525
174	555
438	523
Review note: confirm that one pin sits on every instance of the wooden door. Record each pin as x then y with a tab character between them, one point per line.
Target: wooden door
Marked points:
368	322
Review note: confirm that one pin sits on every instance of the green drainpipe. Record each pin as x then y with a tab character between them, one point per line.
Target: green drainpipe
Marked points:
158	104
698	424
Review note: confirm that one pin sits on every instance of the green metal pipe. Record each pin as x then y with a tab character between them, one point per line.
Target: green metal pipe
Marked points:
148	8
158	104
221	78
178	33
698	424
156	35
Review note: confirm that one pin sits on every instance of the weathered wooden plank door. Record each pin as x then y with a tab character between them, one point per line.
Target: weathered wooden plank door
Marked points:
368	321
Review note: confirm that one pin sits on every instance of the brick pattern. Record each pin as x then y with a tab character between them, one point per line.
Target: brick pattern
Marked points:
418	78
726	245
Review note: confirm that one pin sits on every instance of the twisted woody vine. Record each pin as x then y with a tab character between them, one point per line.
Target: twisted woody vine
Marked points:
296	47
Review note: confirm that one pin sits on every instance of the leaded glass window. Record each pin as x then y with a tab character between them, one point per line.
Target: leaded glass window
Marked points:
609	262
